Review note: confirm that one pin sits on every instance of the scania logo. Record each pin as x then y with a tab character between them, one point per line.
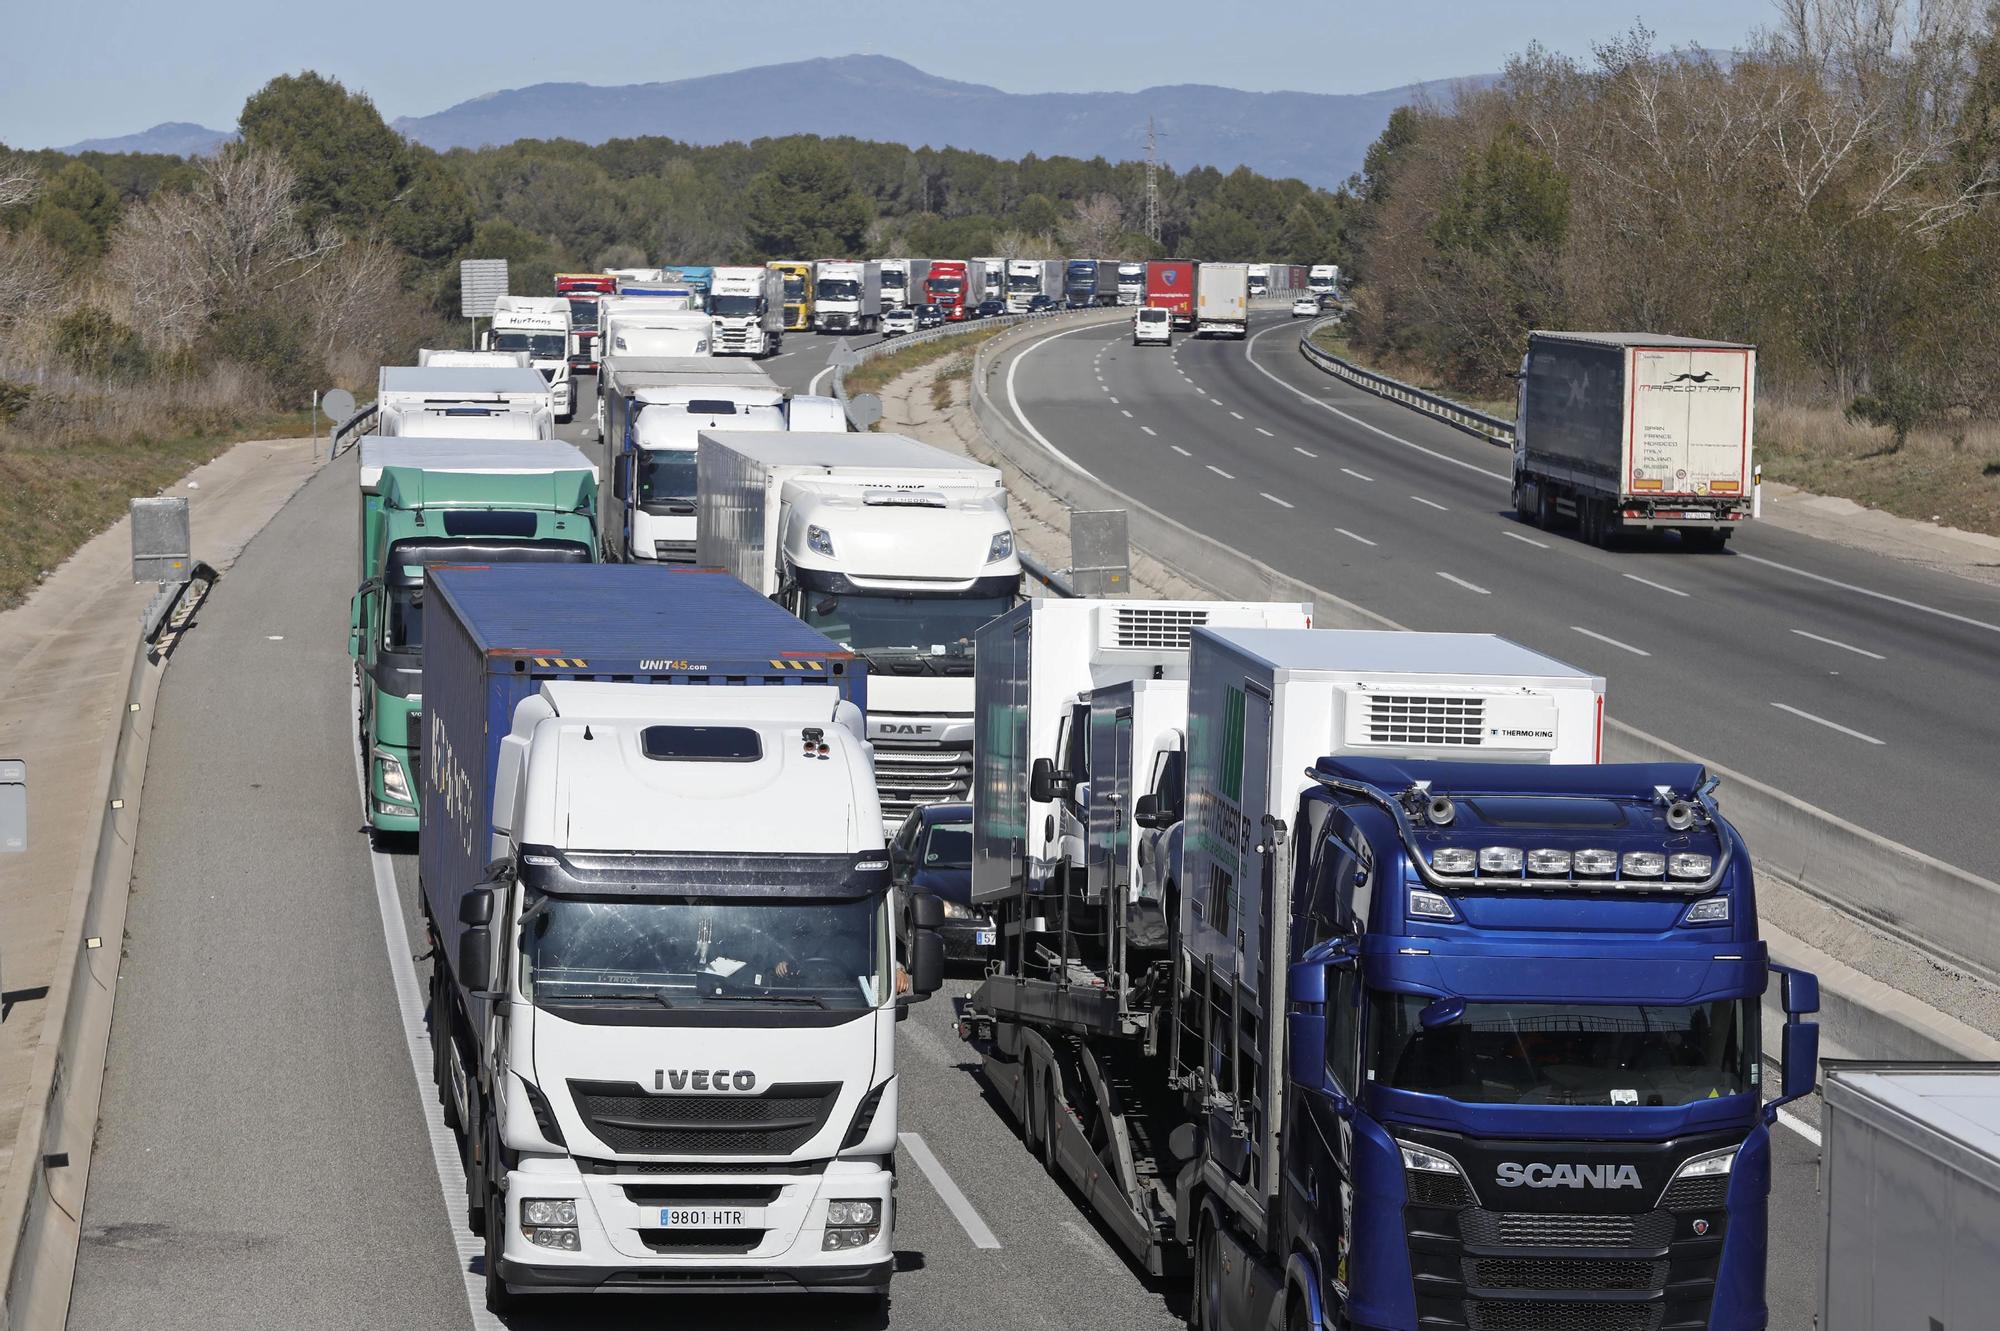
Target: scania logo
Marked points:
1512	1174
703	1079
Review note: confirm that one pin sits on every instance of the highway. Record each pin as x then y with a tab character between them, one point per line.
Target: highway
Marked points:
1848	680
267	1155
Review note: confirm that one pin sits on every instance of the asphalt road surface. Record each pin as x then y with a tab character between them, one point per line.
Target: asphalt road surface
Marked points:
1853	682
266	1154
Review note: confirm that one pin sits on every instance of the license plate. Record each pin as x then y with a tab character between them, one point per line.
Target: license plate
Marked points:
984	937
711	1217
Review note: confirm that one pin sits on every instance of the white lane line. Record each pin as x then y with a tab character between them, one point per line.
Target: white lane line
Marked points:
1830	725
1149	430
1114	401
1529	539
1800	1126
1248	349
1125	412
1176	447
1261	430
1656	586
1358	475
1469	586
417	1040
1014	403
1237	414
812	389
1621	646
1833	642
1220	472
1274	499
960	1207
1431	503
1880	596
1352	537
1307	452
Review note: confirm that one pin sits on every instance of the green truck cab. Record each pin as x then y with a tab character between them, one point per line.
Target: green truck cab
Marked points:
516	510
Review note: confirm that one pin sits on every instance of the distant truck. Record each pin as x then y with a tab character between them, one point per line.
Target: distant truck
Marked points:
1910	1169
650	325
666	972
583	291
847	296
444	501
1131	283
1080	283
797	277
652	413
1323	279
903	282
458	357
894	549
464	401
1260	279
746	308
1029	278
945	286
1622	432
540	326
1222	300
1170	287
989	280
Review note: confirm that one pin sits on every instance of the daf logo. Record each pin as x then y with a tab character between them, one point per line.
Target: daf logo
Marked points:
1511	1174
703	1079
903	728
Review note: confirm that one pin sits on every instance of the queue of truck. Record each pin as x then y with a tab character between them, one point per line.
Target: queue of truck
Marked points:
1332	969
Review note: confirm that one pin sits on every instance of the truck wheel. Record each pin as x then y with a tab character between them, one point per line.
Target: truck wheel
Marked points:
1049	1111
1545	508
1205	1300
498	1298
441	1037
1706	538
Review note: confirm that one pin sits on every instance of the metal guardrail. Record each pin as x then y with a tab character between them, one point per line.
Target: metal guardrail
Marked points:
350	430
1050	578
1493	429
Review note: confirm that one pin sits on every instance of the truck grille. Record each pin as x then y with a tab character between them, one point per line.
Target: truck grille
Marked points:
1155	626
1413	719
674	552
908	777
1696	1194
626	1118
1563	1273
1548	1315
1502	1229
702	1242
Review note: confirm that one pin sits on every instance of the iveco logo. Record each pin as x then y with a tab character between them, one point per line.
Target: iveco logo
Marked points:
703	1079
1514	1175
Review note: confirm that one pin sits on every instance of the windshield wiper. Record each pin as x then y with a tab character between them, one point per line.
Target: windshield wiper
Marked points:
814	999
654	997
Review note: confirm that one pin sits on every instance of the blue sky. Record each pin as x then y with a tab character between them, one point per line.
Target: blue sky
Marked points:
109	67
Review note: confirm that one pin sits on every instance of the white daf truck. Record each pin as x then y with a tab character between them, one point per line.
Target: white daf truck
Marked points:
746	308
540	326
892	548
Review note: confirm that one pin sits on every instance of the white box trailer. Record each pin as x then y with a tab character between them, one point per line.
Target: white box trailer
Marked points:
651	326
1222	300
1039	666
470	401
1634	431
1274	702
1910	1169
493	457
446	356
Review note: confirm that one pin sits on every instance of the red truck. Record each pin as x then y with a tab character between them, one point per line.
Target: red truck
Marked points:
945	288
1170	286
583	291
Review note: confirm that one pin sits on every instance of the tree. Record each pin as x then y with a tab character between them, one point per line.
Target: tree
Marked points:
76	211
1094	226
1222	233
1301	240
803	205
349	164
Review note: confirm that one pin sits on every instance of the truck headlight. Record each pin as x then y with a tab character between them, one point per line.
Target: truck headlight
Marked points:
548	1211
820	541
852	1213
1002	547
956	911
1715	1164
394	784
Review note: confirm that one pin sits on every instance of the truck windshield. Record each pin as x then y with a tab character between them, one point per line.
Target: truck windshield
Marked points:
735	307
934	632
1020	282
666	476
839	289
705	954
405	625
795	288
1565	1054
583	311
938	284
539	346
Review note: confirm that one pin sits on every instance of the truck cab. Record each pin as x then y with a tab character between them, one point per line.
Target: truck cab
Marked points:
540	326
746	306
1131	283
796	276
945	286
847	296
583	291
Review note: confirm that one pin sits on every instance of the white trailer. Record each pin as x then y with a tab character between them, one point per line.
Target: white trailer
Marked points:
989	281
651	326
443	357
898	551
1029	278
847	296
540	326
903	282
747	309
479	401
1911	1175
1222	300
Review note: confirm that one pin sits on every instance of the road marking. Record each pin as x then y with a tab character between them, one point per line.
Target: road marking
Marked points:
1266	433
813	389
1529	539
1014	403
1880	596
1305	451
1220	472
1621	646
1656	586
1800	1126
1114	401
1176	447
1274	499
1431	502
1127	414
956	1201
1469	586
1149	430
1352	537
1830	725
1248	349
1831	642
1237	414
1358	476
416	1039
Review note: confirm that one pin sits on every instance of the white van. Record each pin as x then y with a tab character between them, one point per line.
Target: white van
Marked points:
1153	325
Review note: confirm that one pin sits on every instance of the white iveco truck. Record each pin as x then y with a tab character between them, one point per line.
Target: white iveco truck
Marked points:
540	326
894	549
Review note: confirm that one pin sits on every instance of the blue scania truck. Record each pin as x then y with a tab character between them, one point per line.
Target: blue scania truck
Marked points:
1453	1032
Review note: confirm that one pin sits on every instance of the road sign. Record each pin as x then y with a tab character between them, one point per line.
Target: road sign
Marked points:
161	545
480	283
13	806
843	357
338	404
1100	556
864	410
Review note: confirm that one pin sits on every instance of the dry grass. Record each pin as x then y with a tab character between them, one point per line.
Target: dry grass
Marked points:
946	380
1335	340
1951	478
872	375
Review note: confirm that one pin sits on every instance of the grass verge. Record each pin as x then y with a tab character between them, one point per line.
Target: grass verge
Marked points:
54	498
871	376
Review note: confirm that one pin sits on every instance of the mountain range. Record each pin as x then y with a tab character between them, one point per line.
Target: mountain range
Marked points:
1320	138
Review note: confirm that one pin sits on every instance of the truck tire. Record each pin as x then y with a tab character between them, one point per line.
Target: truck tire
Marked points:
442	1026
1205	1293
1706	538
1524	510
1049	1111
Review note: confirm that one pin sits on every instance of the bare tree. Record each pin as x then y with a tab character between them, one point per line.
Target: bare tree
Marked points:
1095	225
19	183
31	279
352	301
1026	245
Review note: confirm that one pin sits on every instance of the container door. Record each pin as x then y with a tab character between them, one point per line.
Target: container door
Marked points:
1253	882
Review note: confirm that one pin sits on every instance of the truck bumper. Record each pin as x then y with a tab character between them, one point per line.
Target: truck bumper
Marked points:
525	1277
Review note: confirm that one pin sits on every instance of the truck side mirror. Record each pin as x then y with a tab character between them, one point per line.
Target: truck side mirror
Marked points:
354	626
1045	783
475	958
476	907
1305	1048
926	963
1800	1050
1801	991
1146	812
621	485
926	911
